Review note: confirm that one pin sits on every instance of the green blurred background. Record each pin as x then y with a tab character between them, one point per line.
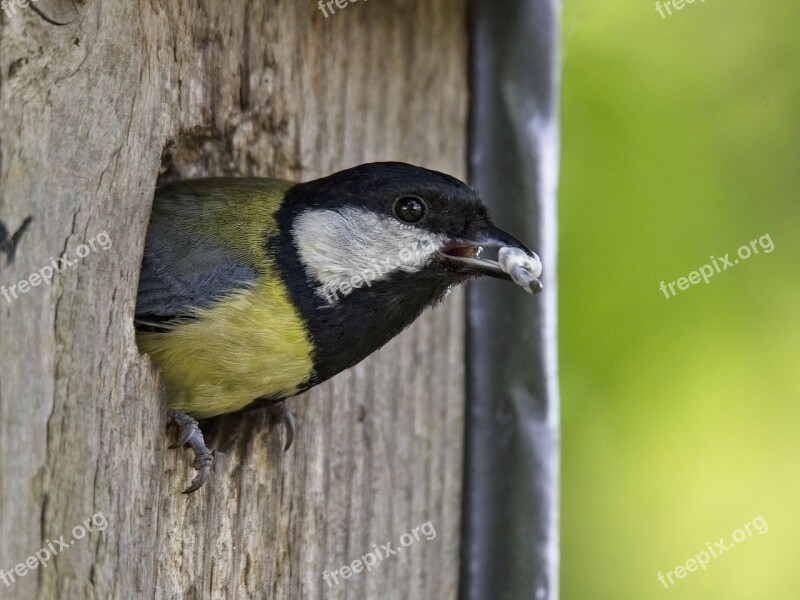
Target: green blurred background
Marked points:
681	416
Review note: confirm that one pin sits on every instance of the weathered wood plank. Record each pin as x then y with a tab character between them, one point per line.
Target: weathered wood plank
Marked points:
268	88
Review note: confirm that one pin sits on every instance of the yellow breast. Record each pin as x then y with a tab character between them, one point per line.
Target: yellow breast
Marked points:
251	344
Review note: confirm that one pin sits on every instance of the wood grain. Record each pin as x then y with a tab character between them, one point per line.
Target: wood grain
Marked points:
91	113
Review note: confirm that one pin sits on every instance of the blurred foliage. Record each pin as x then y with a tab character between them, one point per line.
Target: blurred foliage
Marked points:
681	416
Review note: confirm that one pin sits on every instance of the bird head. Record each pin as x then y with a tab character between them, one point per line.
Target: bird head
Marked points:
366	250
378	222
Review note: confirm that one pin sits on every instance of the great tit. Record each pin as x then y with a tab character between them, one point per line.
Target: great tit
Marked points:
254	290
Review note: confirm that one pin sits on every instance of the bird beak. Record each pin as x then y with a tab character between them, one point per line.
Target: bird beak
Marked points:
465	257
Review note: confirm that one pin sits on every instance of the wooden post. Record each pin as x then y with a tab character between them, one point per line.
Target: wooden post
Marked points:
91	112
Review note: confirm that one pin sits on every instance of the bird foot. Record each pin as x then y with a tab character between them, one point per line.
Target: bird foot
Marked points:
189	433
282	413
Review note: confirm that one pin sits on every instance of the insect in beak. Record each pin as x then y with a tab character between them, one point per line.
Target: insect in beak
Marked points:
515	261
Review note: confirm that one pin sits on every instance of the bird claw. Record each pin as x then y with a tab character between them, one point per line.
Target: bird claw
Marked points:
282	413
191	435
188	429
203	462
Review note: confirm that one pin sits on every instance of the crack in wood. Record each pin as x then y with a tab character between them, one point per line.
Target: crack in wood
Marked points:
50	20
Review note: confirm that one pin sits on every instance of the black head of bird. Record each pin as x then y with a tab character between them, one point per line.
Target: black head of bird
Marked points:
254	290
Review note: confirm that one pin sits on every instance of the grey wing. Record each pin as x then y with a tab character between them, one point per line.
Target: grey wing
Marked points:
180	272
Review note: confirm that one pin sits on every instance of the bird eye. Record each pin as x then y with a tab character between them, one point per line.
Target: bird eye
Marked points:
409	209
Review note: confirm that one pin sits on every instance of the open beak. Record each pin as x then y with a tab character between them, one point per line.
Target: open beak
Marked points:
515	261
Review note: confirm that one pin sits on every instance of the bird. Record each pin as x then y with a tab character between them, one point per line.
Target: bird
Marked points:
253	290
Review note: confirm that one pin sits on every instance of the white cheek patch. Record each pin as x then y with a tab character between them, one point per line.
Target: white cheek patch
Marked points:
348	248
